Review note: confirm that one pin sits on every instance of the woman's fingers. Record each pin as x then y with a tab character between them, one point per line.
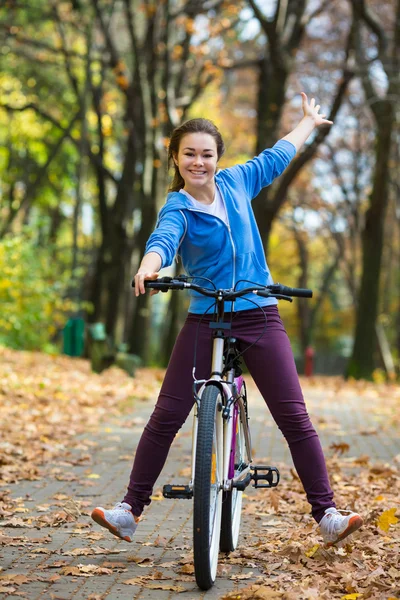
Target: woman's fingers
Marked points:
312	109
140	278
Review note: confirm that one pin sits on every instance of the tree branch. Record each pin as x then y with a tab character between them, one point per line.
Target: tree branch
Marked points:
365	14
25	41
73	80
115	61
308	18
266	25
31	190
244	64
192	7
48	117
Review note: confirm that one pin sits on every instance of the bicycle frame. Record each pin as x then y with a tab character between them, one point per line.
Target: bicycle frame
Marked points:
233	402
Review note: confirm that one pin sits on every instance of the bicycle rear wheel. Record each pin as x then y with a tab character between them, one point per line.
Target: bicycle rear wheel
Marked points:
207	489
232	499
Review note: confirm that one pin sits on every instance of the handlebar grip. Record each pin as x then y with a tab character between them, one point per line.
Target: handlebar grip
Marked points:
295	292
159	280
164	284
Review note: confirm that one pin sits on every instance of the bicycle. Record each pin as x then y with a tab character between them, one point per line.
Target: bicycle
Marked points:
221	443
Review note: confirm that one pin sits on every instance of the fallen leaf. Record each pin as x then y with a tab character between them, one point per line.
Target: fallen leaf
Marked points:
141	562
41	551
242	576
254	592
71	507
386	519
340	448
188	569
165	586
15	578
310	553
134	581
15	522
86	571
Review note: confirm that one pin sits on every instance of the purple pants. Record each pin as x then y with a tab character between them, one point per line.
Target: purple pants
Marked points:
271	365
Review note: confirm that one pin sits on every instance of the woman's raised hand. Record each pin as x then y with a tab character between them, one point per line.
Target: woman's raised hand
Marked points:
310	109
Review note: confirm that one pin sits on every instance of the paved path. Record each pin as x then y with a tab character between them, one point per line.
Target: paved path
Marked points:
163	538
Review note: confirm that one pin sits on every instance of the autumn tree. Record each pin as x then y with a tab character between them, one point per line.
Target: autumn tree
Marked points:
382	102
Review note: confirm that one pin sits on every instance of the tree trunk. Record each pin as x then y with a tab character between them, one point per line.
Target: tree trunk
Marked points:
270	100
303	305
138	336
362	362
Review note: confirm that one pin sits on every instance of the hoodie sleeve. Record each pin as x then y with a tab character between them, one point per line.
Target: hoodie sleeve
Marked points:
260	171
167	236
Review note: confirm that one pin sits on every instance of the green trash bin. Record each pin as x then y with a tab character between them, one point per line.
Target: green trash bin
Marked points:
74	337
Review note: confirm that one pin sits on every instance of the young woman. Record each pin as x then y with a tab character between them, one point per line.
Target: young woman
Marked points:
208	220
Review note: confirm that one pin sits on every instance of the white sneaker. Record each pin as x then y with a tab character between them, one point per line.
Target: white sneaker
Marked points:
335	525
118	520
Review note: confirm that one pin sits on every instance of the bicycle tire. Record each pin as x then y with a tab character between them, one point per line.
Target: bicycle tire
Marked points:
207	490
232	499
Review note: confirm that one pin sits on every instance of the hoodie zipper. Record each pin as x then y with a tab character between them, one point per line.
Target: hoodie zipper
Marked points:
230	236
227	225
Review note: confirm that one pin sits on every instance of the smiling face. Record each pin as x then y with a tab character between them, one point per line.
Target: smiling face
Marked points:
197	161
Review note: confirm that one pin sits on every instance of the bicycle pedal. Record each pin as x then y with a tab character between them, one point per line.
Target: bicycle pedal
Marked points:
177	491
265	473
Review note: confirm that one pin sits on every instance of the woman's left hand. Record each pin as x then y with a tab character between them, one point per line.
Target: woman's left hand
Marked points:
310	109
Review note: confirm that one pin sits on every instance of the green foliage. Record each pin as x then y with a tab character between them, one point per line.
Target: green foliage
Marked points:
32	294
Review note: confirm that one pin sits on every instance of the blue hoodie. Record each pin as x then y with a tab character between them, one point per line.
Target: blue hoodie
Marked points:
209	247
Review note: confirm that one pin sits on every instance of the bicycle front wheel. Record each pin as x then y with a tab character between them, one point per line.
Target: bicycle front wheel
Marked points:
207	488
232	500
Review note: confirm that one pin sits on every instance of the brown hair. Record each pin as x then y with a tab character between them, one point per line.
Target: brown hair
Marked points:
192	126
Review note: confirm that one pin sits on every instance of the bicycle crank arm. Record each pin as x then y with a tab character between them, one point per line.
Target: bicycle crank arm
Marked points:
178	491
266	474
240	482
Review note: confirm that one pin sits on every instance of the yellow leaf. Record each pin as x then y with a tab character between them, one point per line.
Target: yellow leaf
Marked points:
351	597
93	476
386	519
379	498
310	553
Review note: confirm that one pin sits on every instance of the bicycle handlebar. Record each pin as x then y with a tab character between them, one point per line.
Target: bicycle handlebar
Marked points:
276	290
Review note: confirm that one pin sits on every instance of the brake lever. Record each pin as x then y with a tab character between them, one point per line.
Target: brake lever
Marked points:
282	297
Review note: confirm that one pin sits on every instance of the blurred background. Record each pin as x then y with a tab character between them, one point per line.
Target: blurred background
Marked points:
89	93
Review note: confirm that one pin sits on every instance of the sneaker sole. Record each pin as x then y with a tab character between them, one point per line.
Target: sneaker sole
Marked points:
354	524
98	516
